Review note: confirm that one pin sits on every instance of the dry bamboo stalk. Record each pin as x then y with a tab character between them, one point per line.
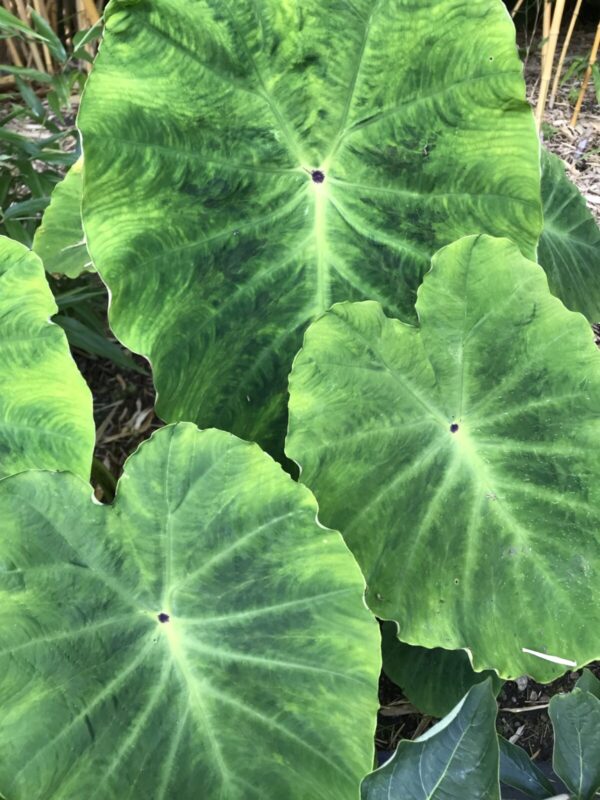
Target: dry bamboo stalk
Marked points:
91	11
548	61
515	10
33	49
586	77
14	53
546	29
40	7
564	51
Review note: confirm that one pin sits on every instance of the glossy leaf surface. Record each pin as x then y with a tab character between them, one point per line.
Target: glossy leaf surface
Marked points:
569	248
60	241
203	637
46	417
459	460
456	759
576	722
433	680
272	158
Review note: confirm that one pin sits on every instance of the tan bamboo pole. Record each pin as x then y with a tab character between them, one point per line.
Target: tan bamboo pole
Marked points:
563	53
40	7
586	77
546	29
91	11
515	10
14	54
548	61
35	53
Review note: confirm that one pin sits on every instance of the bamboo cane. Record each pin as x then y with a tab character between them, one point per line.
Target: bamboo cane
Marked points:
586	77
40	7
546	29
14	53
33	49
563	54
91	11
515	10
548	61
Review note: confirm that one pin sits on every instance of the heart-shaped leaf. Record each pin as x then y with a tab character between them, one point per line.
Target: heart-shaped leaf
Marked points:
569	248
460	460
203	637
272	158
60	241
456	759
433	680
45	406
576	722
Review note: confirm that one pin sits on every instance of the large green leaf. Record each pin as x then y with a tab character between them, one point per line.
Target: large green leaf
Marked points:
433	680
576	722
569	248
457	759
461	459
46	417
60	241
207	127
202	638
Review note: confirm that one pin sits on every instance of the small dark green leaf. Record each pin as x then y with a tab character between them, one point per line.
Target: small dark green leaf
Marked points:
455	760
518	771
51	39
589	683
433	680
576	722
82	337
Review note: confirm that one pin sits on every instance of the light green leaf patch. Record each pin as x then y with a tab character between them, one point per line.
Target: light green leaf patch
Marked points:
569	248
60	240
46	417
456	759
272	158
433	680
458	459
203	637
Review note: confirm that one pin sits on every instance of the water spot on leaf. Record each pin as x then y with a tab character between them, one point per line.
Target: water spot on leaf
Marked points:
162	617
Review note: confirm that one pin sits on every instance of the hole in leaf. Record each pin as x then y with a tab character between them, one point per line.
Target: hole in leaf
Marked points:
317	176
453	427
162	617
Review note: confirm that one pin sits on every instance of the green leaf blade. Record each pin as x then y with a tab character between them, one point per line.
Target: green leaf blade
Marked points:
46	417
576	722
569	248
266	624
462	445
60	241
217	180
433	680
520	772
458	758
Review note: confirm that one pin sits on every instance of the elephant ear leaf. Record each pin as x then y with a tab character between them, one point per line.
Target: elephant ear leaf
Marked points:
433	680
569	248
456	758
202	637
272	158
60	241
576	721
46	417
463	444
